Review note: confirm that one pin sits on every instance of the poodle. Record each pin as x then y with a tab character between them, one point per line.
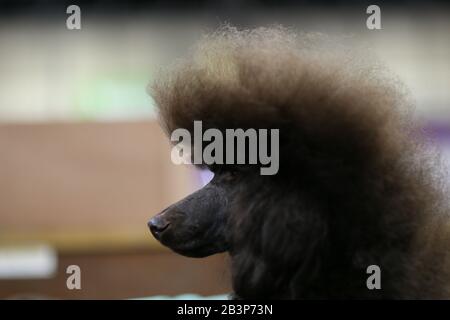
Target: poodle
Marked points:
358	183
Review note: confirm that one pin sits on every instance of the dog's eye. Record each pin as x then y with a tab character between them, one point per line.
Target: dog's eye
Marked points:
230	175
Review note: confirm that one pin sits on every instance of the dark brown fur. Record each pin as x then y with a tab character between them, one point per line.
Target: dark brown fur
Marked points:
356	186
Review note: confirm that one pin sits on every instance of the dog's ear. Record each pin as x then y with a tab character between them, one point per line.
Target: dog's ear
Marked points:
275	235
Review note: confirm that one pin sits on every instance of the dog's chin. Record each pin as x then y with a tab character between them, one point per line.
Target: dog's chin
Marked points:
194	252
195	249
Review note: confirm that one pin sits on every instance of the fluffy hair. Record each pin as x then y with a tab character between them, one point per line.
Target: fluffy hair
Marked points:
357	184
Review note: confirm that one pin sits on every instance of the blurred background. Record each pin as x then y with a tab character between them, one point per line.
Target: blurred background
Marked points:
83	162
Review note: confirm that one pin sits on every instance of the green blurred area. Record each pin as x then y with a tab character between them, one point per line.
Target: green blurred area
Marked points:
113	96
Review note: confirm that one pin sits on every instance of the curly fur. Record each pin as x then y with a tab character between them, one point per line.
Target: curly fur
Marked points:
357	186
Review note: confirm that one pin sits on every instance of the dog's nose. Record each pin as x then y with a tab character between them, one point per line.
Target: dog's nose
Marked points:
157	226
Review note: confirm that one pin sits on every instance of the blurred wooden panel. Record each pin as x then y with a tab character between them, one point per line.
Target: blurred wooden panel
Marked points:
124	275
82	184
